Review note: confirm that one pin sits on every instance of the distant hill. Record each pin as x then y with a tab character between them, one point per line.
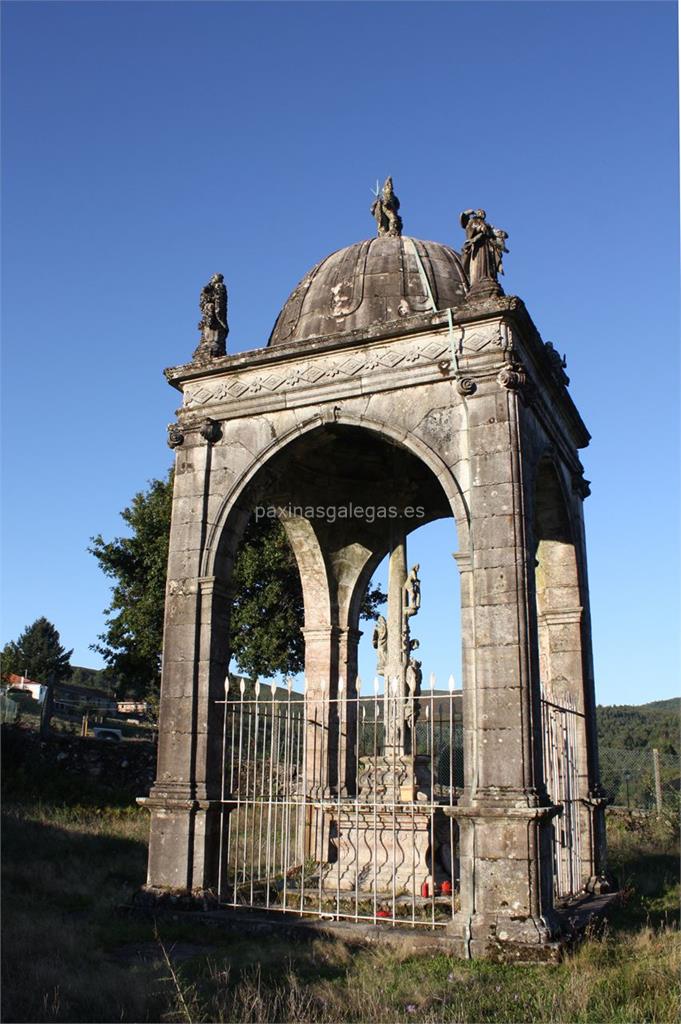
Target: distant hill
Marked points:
640	726
620	726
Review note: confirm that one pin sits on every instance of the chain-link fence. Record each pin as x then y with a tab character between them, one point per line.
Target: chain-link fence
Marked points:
9	710
640	779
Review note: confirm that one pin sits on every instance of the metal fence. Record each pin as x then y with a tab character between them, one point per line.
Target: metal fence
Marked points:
336	806
640	779
560	722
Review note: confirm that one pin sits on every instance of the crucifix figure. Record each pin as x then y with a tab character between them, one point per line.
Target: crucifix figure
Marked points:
401	671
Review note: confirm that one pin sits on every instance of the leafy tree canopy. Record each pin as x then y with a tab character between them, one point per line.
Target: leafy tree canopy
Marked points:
267	611
131	643
37	654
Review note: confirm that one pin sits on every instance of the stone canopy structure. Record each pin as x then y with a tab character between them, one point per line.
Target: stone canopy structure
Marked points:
393	380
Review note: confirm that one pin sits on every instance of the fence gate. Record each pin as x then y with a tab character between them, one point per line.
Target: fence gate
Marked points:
561	771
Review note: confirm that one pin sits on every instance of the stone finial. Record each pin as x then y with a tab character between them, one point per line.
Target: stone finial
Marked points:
482	252
384	208
213	322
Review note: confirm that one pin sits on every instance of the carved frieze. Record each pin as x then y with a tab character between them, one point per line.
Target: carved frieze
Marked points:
317	372
334	369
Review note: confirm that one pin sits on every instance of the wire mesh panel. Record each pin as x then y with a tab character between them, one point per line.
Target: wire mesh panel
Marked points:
335	805
640	779
561	771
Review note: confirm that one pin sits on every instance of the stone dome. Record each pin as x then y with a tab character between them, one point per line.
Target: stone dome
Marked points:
376	281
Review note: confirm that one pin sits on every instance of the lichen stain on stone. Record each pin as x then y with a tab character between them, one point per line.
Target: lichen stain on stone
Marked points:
341	299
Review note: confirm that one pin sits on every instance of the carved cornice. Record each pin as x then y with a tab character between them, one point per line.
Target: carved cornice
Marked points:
466	316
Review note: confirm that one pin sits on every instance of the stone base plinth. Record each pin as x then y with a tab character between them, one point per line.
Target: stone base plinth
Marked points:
184	842
380	850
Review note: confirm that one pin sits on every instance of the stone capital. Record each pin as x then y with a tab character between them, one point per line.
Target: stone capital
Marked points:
561	616
464	560
209	585
312	633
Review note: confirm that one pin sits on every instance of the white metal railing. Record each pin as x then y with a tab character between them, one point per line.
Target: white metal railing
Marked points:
334	804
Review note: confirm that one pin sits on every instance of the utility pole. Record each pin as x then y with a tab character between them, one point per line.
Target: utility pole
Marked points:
47	708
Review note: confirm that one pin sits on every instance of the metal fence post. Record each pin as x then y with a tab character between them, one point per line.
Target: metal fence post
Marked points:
658	781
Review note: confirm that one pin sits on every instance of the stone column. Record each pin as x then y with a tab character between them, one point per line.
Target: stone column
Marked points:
321	733
394	662
348	640
506	890
321	674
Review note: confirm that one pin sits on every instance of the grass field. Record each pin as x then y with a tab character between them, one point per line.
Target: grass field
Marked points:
70	954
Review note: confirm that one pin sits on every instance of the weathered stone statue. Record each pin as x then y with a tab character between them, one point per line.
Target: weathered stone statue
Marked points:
482	252
558	363
413	678
213	322
380	642
384	208
412	592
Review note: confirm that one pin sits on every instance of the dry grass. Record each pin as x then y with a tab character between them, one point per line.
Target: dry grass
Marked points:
65	870
68	867
608	980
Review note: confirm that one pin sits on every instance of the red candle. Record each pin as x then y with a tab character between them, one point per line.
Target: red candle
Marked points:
446	888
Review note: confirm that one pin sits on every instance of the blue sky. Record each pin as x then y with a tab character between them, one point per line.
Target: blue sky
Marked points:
147	145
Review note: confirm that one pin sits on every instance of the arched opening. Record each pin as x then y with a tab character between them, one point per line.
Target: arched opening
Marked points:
335	798
559	612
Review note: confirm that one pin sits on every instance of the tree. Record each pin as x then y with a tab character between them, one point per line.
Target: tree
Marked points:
267	610
37	654
131	644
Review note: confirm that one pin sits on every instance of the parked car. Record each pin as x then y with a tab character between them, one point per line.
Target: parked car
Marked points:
104	733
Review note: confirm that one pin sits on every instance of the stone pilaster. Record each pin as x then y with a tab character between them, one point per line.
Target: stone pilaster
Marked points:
596	801
506	889
184	801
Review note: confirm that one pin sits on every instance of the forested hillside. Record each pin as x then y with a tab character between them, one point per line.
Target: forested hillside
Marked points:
640	727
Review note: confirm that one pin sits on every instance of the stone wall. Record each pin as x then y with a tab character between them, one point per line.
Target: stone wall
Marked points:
127	767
